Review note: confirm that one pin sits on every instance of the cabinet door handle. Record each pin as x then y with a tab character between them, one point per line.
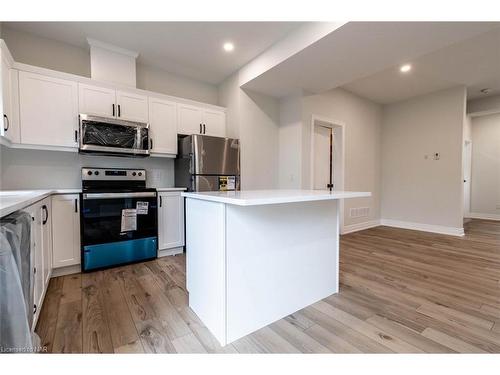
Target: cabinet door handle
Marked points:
113	109
46	211
6	125
204	129
34	308
151	143
76	136
119	110
161	201
201	129
76	205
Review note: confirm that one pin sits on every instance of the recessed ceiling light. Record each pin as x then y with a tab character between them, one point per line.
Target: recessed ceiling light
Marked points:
228	47
405	68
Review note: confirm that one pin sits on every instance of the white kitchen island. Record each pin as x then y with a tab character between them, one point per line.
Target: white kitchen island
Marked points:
254	257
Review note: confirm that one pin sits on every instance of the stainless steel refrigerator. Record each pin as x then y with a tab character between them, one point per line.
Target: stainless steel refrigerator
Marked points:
206	163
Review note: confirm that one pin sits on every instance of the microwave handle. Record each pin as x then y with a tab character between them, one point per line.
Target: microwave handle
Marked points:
113	109
76	136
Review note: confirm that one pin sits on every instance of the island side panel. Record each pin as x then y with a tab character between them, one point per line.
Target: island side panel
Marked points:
205	263
279	259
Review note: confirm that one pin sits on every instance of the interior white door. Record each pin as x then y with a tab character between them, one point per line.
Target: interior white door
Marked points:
190	119
65	230
170	220
131	106
322	157
163	126
48	110
215	123
95	100
467	176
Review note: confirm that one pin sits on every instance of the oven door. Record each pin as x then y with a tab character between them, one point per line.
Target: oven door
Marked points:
118	228
112	136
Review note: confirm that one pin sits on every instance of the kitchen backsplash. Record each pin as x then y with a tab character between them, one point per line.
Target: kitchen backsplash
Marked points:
35	169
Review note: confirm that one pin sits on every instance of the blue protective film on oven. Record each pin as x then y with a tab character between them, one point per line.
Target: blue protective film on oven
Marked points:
115	253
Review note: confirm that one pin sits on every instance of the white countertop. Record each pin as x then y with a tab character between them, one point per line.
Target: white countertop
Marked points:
13	200
262	197
170	189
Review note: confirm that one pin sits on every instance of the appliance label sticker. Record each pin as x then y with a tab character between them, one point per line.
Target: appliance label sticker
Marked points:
227	183
142	208
129	219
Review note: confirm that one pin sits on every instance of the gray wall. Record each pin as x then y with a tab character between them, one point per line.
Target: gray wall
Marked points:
46	53
416	189
485	189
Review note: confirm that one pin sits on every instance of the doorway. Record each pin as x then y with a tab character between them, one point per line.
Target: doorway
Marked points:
467	168
327	156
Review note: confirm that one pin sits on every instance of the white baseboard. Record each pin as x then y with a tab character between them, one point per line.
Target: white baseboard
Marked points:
477	215
452	231
169	252
68	270
360	226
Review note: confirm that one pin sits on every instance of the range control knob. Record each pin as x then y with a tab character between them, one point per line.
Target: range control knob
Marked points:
133	173
140	173
96	173
89	173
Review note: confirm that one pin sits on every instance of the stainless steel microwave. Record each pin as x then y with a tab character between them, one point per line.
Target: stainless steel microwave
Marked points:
113	137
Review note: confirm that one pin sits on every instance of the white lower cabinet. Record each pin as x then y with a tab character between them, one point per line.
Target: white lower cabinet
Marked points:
170	220
66	230
41	251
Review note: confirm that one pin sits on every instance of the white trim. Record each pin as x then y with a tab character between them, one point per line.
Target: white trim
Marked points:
111	47
360	226
478	215
68	270
170	252
43	147
452	231
86	80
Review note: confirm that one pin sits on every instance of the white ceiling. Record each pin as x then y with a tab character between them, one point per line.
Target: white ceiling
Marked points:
192	49
363	49
474	63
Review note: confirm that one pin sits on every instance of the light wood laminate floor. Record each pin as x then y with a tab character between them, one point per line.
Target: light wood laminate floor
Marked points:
401	291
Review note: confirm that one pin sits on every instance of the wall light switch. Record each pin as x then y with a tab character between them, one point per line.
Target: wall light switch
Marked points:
436	156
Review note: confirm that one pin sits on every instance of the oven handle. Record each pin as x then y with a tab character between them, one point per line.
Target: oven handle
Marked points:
118	195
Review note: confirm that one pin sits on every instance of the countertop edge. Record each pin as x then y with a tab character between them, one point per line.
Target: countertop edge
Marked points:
273	200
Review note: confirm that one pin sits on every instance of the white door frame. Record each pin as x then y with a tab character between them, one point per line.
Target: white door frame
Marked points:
467	159
338	128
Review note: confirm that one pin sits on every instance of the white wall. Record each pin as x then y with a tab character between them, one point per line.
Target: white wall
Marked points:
486	104
34	50
416	189
254	119
35	169
363	123
485	197
290	143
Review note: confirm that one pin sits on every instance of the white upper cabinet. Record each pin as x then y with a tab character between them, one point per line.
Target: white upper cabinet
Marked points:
190	120
214	123
8	99
199	120
131	106
48	110
95	100
163	126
